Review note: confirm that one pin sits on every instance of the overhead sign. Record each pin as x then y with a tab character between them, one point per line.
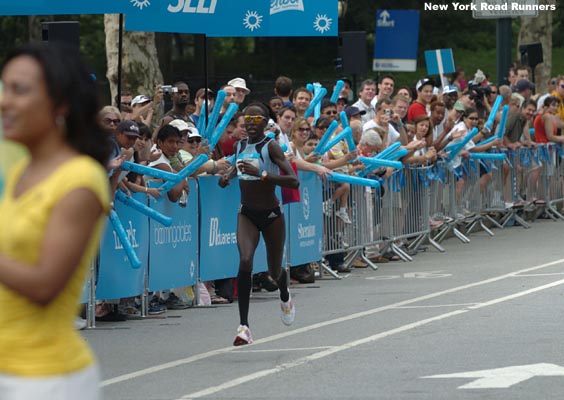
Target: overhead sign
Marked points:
487	9
55	7
439	62
220	18
501	378
397	40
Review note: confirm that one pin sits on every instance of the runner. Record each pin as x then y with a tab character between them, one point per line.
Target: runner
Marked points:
259	163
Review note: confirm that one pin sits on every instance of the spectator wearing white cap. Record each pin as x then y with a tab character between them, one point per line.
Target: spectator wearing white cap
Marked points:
424	89
241	90
450	95
142	109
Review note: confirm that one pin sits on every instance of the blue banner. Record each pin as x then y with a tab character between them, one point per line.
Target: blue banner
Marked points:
220	18
396	41
218	229
173	252
54	7
305	221
116	277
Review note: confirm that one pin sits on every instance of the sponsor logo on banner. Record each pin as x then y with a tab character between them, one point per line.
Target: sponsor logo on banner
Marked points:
172	235
131	235
305	202
218	238
278	6
191	6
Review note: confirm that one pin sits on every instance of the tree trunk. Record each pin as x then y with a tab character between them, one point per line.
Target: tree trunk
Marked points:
140	65
534	30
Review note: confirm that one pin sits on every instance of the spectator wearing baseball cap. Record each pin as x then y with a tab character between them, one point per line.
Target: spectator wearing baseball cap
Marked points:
354	113
424	89
450	95
142	109
524	88
241	89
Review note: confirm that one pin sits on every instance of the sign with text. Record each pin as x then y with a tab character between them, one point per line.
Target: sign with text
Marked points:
305	221
219	256
116	277
173	251
397	40
219	18
490	9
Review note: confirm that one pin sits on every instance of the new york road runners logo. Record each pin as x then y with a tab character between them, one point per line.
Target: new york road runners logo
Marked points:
277	6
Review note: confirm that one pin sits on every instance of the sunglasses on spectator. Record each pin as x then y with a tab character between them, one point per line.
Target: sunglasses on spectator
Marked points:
253	118
473	118
194	140
109	121
331	112
304	129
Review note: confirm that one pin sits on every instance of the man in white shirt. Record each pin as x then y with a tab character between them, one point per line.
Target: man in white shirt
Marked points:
382	121
366	94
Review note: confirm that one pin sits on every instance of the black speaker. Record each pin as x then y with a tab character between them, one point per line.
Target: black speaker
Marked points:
531	54
352	51
67	32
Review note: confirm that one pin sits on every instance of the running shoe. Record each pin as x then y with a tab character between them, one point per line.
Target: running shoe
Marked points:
243	336
288	311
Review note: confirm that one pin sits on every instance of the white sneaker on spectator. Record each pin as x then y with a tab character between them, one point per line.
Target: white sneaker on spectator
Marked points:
288	311
243	336
343	216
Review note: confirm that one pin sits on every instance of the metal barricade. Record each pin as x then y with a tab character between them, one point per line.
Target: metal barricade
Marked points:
405	210
339	236
444	203
512	190
552	178
497	206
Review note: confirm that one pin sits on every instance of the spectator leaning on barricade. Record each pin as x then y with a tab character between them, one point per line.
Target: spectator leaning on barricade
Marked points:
301	99
283	89
518	125
419	106
382	120
168	140
559	94
399	117
386	85
364	102
545	127
424	133
441	123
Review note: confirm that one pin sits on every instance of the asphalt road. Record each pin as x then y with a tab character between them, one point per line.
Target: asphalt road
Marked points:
488	312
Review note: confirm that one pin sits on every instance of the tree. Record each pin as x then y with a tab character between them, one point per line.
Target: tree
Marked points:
539	29
140	65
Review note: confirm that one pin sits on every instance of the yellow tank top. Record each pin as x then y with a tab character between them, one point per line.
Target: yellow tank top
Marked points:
41	340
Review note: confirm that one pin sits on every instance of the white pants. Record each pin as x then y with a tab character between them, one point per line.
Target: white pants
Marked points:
83	385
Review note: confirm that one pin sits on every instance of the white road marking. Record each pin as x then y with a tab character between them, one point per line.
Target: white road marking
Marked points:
284	350
436	306
322	354
533	275
305	329
503	378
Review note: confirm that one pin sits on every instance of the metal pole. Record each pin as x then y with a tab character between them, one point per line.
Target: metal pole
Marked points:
504	50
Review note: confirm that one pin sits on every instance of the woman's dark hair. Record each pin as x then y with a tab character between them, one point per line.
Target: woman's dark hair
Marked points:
144	131
322	122
167	131
70	85
549	100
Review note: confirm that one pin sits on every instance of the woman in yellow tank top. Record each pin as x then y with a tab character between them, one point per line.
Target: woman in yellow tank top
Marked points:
51	217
